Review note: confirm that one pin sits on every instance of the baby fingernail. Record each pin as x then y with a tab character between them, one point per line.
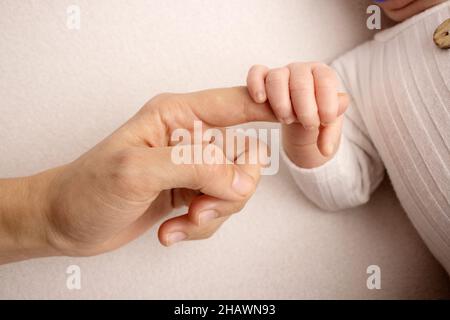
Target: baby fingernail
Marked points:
207	216
260	96
328	149
309	127
242	183
175	237
288	120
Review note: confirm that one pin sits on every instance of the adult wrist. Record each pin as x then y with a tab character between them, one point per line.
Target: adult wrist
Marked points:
24	227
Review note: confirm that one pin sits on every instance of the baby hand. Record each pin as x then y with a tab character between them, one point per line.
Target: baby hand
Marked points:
305	99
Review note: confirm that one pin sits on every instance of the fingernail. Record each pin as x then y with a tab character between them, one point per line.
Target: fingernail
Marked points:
328	149
175	237
242	183
309	128
260	96
207	216
288	120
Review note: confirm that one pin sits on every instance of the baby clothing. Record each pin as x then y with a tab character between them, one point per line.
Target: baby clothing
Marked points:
398	120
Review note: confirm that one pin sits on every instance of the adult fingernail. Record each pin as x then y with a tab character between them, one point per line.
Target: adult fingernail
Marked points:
260	96
242	183
207	216
175	237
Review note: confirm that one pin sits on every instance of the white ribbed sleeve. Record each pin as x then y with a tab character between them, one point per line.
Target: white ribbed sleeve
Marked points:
399	119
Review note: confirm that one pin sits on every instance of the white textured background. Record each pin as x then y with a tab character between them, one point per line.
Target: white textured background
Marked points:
62	91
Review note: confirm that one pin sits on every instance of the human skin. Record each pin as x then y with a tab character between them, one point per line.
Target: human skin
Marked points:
399	10
124	185
306	101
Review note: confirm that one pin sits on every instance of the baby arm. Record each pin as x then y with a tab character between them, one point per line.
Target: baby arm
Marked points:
329	153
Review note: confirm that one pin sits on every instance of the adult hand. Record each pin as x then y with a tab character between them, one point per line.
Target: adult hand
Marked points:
125	184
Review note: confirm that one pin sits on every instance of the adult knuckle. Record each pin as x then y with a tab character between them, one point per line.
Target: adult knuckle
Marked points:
161	99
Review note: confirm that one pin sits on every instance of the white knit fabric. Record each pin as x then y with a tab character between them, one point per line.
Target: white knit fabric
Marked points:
399	119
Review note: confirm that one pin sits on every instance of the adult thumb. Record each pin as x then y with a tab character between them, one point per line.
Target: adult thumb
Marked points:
217	177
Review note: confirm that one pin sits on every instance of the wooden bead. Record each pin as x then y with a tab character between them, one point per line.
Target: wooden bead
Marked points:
441	36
